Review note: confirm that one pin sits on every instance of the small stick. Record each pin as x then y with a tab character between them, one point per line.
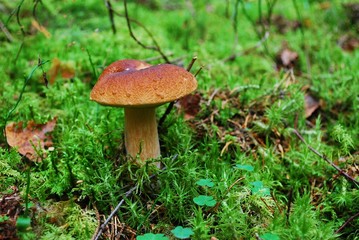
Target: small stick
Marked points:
325	158
171	104
191	63
289	203
347	222
128	193
6	32
228	190
110	13
150	59
156	47
276	202
198	71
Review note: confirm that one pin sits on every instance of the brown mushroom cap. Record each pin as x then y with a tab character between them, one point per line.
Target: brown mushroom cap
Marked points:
132	83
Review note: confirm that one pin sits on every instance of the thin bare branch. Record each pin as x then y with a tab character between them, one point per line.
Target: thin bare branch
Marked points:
127	194
6	32
110	14
36	3
347	222
198	71
156	47
190	65
325	158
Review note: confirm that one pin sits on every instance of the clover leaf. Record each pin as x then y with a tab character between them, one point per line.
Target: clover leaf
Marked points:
182	233
152	236
269	236
205	182
259	189
203	200
248	168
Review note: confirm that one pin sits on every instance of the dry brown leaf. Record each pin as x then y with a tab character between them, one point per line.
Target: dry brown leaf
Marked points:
40	28
65	69
348	43
311	104
31	140
190	105
286	58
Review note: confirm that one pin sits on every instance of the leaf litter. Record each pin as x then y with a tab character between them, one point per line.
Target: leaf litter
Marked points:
31	141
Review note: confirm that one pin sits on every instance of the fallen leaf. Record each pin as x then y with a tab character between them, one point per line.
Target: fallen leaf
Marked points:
286	58
64	69
190	105
32	140
348	43
40	28
310	105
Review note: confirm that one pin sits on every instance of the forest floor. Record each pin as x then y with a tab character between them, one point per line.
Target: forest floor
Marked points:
265	148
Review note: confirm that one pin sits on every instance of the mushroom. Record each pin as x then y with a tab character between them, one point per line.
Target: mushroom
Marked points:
139	88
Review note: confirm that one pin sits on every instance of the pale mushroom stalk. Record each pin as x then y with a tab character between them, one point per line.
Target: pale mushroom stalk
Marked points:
141	136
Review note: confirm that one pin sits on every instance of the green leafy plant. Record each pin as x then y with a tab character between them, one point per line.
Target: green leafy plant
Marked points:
269	236
259	189
245	167
203	200
205	182
4	218
182	233
152	236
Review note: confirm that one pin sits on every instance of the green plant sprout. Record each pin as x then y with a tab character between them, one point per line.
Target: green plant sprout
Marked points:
205	182
203	200
269	236
4	218
245	167
182	233
152	236
259	189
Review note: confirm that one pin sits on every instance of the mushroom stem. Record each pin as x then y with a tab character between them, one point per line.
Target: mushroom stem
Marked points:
141	136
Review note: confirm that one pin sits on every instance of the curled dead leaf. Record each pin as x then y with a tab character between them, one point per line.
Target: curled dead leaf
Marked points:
32	140
286	58
311	104
190	105
64	69
40	28
348	43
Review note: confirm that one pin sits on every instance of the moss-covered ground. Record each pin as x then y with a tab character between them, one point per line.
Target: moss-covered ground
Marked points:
234	166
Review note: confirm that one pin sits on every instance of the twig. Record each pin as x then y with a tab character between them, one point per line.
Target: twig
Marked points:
6	32
190	65
110	14
18	18
167	112
36	2
347	222
98	218
198	71
27	79
215	208
150	59
128	193
92	65
325	158
171	104
276	202
156	47
289	203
